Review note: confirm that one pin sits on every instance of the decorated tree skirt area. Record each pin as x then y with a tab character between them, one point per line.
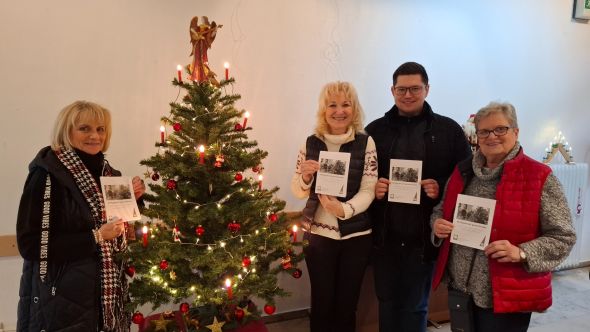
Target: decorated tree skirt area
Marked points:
175	322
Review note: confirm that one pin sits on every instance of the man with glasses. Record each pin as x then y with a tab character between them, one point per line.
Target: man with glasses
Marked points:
404	255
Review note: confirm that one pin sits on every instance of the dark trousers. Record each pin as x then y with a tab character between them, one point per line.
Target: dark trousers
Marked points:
402	284
487	321
336	269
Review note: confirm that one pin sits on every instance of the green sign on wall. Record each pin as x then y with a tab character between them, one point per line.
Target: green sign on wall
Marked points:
587	4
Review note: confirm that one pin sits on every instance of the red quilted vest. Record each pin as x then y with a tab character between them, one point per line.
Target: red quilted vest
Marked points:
516	219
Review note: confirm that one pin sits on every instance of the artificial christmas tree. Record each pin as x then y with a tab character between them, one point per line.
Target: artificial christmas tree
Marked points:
216	236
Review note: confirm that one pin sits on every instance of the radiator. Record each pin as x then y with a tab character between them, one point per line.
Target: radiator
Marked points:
573	178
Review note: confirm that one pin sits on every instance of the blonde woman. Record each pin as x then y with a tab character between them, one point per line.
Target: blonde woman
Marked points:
71	280
338	229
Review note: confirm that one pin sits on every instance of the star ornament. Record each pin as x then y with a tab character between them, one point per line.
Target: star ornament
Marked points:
246	312
160	324
216	326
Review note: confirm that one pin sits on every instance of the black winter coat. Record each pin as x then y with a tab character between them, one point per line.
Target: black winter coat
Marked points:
436	140
69	300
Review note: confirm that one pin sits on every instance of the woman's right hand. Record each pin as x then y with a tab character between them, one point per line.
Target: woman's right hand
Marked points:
308	169
112	230
442	228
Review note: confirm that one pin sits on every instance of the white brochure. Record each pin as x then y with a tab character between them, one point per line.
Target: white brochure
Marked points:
404	181
472	222
119	201
332	177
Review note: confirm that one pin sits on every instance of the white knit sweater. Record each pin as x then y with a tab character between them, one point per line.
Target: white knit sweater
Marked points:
360	201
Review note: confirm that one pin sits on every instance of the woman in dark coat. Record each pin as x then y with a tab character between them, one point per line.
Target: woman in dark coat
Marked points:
71	280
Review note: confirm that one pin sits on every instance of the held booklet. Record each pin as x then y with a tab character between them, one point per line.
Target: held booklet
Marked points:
404	181
119	201
332	177
472	222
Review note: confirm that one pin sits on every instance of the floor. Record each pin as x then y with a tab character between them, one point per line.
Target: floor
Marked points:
571	308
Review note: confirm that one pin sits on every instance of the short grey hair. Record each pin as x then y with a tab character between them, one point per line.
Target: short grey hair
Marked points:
505	109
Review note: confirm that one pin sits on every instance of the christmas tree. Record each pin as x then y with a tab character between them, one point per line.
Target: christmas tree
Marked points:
216	236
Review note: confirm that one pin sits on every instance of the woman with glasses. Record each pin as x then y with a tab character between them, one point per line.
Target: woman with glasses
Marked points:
531	231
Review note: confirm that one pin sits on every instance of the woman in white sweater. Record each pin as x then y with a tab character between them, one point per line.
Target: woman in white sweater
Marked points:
337	229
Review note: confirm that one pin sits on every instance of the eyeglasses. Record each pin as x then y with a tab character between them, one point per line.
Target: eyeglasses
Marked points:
498	131
414	90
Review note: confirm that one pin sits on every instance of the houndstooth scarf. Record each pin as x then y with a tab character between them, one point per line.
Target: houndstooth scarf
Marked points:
114	290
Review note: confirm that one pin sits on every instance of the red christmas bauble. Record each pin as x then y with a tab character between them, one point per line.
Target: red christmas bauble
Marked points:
200	230
130	271
239	313
273	217
163	264
238	177
297	273
177	126
184	307
171	184
233	227
137	318
246	261
238	127
255	169
269	309
155	176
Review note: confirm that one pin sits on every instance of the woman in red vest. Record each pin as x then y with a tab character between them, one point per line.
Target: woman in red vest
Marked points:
531	230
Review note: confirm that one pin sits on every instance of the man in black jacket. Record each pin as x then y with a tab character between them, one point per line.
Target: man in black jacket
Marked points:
404	256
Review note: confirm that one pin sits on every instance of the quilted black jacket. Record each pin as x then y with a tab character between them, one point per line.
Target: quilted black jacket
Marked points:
69	300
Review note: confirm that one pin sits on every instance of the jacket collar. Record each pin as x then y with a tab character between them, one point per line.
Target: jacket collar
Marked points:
394	119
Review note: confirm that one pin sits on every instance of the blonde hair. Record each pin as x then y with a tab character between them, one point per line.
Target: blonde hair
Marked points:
75	113
349	92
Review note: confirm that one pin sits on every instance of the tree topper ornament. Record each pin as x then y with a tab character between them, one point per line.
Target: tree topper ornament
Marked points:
202	36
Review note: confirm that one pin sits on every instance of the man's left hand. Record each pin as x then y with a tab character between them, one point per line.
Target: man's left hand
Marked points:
430	187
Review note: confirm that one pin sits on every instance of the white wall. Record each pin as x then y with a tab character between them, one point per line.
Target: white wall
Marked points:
123	54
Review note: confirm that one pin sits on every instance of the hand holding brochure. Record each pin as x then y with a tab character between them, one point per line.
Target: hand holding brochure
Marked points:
117	192
472	221
332	178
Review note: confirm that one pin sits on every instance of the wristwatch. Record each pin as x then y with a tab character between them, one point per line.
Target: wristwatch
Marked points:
522	255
